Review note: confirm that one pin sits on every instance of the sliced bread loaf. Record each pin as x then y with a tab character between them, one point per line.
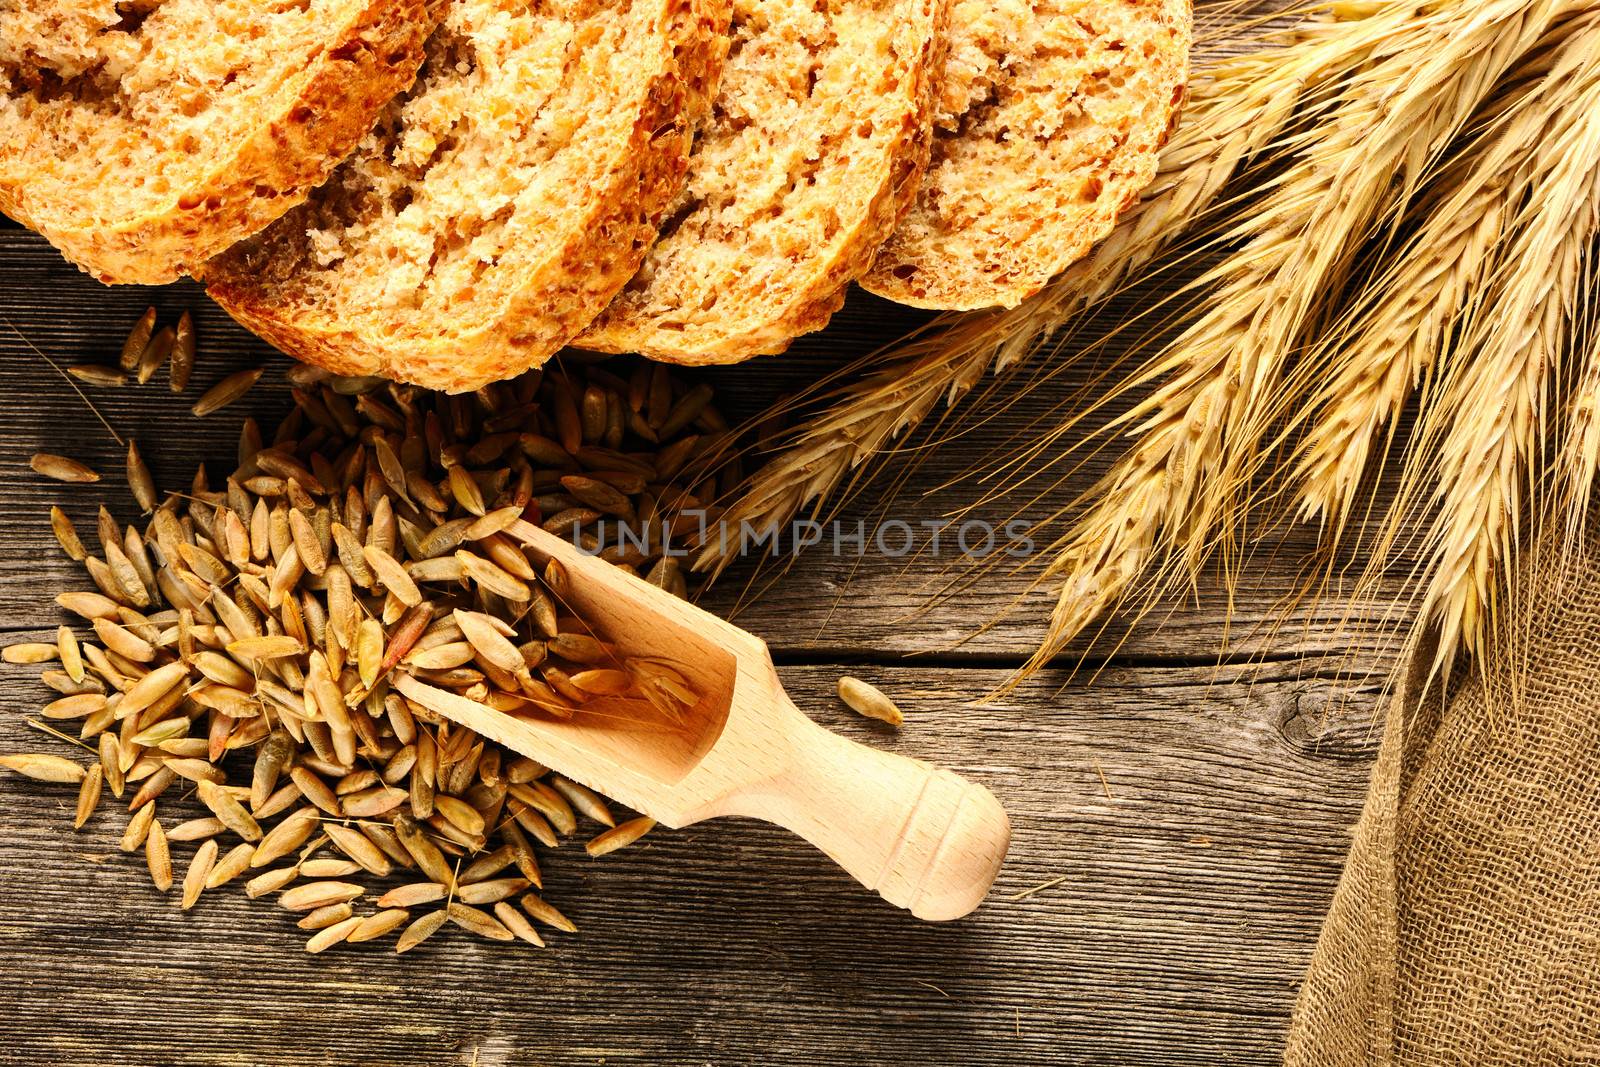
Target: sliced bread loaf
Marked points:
816	144
499	204
144	137
1051	115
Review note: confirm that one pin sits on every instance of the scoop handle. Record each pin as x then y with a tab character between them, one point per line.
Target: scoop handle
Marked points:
922	837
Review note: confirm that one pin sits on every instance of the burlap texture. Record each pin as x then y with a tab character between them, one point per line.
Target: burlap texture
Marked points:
1466	926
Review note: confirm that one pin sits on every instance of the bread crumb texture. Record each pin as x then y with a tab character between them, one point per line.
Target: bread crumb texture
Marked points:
816	144
144	137
1051	115
498	205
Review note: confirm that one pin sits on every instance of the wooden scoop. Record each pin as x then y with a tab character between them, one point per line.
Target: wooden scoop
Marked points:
923	837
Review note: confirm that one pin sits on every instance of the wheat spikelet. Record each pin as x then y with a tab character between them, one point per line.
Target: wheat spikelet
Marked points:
1237	111
1396	332
1201	434
1493	412
1580	455
1410	320
1579	459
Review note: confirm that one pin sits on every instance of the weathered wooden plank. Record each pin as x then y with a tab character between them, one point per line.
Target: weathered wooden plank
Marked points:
1198	820
1198	816
830	606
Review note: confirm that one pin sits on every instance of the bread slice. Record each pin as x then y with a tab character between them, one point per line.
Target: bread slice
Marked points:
500	204
817	141
1051	116
144	137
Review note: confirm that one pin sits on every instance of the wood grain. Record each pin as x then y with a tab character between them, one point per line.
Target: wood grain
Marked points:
1187	807
1198	820
1191	900
830	606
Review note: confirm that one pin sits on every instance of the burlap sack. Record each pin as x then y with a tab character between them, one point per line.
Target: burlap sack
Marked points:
1466	926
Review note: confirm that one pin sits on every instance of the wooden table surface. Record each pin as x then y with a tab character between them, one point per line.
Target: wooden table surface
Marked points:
1180	813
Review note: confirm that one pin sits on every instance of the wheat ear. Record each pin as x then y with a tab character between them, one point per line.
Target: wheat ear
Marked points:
1367	366
1494	410
1199	436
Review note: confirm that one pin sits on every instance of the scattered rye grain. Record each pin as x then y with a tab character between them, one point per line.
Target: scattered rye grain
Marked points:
488	865
328	867
443	657
620	836
228	809
517	923
311	895
359	848
478	922
29	652
199	872
97	374
220	635
549	803
87	605
409	896
270	881
420	930
61	468
333	935
155	354
265	647
379	924
69	652
110	752
547	913
138	339
157	857
151	788
429	860
88	795
230	866
492	578
152	687
286	797
578	648
165	730
491	891
584	800
66	534
124	642
527	862
271	759
138	828
182	361
196	829
370	803
43	767
140	481
868	700
392	575
325	916
125	574
306	542
228	391
315	790
194	769
460	813
603	681
286	837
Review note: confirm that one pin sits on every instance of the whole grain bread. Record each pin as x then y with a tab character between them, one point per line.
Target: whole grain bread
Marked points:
816	144
1051	116
142	138
498	205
